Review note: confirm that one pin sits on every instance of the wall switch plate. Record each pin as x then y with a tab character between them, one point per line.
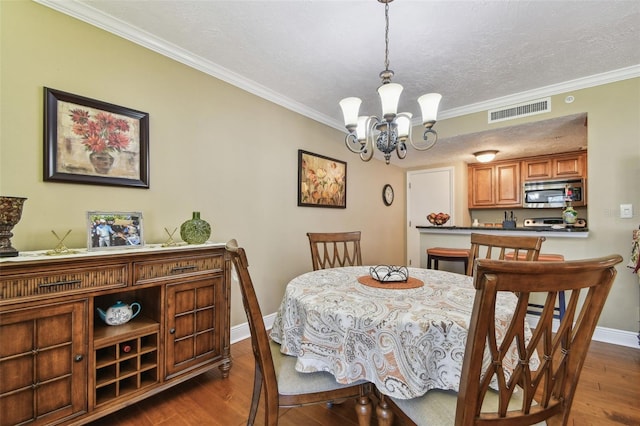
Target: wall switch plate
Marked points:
626	211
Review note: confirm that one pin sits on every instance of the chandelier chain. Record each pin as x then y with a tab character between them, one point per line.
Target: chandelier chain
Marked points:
386	36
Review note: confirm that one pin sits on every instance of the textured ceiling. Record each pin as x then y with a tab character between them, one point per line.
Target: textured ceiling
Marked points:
308	54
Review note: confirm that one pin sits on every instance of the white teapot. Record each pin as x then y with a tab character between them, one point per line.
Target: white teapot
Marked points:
120	313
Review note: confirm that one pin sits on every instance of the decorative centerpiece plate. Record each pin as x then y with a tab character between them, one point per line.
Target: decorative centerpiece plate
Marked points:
390	277
386	273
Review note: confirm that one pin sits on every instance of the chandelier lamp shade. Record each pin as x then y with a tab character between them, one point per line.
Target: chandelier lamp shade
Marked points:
391	132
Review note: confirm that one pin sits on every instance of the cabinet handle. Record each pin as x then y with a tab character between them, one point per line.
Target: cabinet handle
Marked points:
180	269
78	358
172	331
44	285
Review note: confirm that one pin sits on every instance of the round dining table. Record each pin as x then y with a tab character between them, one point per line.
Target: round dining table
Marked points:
406	341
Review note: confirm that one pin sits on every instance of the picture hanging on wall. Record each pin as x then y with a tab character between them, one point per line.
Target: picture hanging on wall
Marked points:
322	181
114	230
92	142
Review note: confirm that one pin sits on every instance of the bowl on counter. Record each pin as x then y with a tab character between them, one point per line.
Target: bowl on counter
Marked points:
438	219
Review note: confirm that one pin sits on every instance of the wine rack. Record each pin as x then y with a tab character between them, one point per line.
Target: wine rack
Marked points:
126	358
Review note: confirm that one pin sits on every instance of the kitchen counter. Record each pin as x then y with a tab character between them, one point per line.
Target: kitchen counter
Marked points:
569	232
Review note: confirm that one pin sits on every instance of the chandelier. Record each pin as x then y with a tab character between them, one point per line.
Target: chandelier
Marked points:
394	129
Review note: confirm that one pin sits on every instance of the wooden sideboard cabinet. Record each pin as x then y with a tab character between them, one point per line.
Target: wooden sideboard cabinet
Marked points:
559	166
60	364
494	185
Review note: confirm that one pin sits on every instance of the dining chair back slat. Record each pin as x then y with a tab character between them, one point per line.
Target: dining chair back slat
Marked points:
542	386
275	372
498	246
334	249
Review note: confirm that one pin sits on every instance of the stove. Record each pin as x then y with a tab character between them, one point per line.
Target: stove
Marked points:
552	223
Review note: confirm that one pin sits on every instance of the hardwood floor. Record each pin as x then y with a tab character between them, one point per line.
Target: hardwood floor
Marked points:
608	394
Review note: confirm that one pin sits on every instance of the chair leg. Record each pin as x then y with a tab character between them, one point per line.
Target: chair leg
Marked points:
384	413
363	410
255	398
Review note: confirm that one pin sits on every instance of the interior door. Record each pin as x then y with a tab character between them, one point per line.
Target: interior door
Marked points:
427	191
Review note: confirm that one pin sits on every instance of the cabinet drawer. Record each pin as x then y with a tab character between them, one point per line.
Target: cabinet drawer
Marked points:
72	280
176	267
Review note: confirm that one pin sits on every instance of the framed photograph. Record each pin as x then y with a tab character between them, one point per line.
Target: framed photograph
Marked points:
322	181
114	230
92	142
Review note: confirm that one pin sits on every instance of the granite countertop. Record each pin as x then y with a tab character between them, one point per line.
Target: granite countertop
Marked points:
567	228
566	232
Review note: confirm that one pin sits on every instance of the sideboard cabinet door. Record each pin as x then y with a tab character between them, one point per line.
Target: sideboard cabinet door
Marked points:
43	364
194	334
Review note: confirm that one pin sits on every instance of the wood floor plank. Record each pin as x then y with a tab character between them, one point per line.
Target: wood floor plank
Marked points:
608	395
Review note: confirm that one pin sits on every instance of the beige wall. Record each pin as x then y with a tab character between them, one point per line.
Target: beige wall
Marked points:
613	175
233	157
213	148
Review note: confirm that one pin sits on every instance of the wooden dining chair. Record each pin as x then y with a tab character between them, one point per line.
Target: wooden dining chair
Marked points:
334	249
528	395
498	246
283	385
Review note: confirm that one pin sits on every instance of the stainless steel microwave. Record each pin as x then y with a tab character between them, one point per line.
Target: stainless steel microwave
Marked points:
554	193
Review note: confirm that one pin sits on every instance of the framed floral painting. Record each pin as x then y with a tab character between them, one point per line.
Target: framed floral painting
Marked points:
322	181
93	142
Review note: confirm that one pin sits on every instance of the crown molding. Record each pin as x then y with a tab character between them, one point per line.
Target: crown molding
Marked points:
122	29
554	89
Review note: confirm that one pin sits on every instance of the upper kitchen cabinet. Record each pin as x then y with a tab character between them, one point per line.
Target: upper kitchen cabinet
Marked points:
559	166
495	185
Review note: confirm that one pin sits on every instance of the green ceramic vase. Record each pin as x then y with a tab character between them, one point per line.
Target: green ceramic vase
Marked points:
195	230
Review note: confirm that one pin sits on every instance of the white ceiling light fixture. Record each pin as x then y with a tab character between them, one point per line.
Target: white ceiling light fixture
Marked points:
394	129
485	156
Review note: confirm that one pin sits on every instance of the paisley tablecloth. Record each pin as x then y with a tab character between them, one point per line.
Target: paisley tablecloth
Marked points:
405	342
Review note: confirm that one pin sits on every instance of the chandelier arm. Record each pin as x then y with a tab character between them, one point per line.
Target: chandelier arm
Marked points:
367	155
369	146
401	150
425	137
352	142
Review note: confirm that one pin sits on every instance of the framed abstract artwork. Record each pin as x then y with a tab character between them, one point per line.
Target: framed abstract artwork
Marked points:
92	142
322	181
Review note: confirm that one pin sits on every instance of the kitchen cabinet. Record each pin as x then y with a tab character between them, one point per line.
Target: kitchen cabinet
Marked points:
69	367
559	166
495	185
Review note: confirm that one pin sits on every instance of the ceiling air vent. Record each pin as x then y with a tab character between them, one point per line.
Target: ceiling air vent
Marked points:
520	110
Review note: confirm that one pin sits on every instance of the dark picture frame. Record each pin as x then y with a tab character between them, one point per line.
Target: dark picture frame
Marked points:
322	181
122	230
92	142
